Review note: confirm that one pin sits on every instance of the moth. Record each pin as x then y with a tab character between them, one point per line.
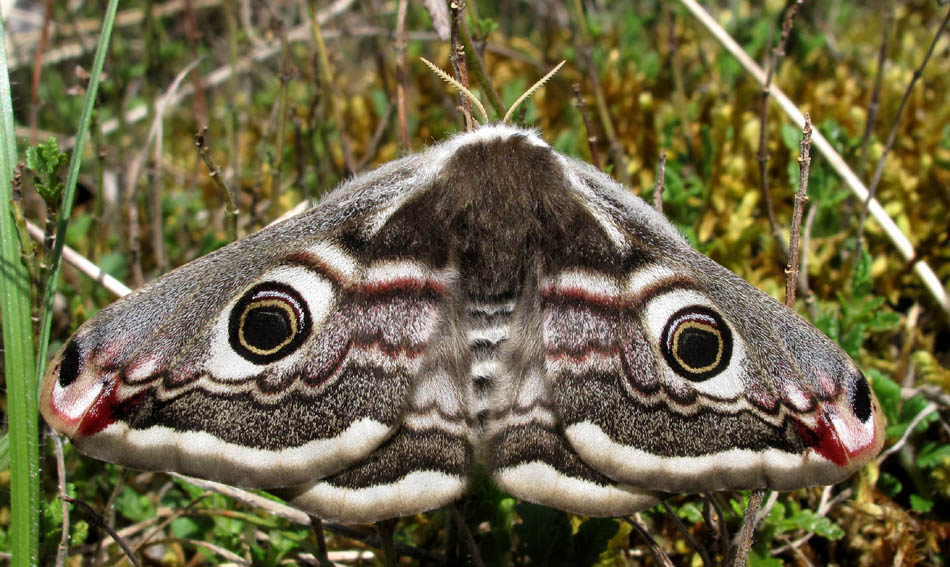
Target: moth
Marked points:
489	303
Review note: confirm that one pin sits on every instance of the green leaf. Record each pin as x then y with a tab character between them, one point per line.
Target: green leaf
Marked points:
920	504
134	506
485	26
19	358
4	451
44	161
762	559
809	521
185	527
890	485
80	532
691	512
933	454
792	137
861	280
888	393
911	408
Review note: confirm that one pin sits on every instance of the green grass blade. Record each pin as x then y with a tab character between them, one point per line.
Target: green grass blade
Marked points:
4	452
69	193
18	349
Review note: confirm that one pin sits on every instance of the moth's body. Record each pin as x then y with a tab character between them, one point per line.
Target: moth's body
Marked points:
488	303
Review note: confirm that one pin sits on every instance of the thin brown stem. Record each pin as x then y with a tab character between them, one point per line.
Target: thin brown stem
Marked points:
316	528
874	102
457	57
680	99
155	172
28	250
716	519
109	513
586	51
701	549
231	210
231	125
38	71
386	530
286	73
660	557
591	136
660	184
804	166
744	540
373	145
130	214
763	154
481	73
97	520
160	528
402	78
98	147
193	36
892	136
62	550
327	84
804	286
466	535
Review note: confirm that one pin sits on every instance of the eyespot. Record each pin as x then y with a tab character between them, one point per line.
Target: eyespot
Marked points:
696	343
861	398
269	322
69	365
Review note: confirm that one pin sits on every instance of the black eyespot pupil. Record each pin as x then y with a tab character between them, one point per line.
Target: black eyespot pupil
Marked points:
696	343
69	365
266	327
697	348
861	398
270	321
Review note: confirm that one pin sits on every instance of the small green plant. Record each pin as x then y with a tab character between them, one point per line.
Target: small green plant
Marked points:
45	161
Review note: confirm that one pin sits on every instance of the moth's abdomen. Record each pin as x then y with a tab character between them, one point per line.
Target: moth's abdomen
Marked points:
488	329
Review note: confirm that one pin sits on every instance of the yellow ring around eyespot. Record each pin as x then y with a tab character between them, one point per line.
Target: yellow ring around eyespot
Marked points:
268	303
701	327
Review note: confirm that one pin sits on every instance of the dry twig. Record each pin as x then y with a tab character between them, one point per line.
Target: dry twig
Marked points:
462	527
743	541
62	550
804	165
700	548
475	60
659	556
660	184
591	136
97	520
231	210
402	77
457	57
763	154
